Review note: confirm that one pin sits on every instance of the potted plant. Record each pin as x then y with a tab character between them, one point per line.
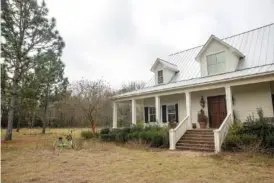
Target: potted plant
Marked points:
202	118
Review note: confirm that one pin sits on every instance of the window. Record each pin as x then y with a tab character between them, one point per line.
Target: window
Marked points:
160	77
152	115
171	113
216	63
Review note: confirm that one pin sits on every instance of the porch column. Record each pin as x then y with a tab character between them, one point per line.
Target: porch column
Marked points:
188	109
157	109
133	110
114	115
229	104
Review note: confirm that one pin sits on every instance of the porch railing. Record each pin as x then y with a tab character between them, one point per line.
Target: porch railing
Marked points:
221	132
176	133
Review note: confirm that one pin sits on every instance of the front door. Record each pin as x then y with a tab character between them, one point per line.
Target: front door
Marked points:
216	110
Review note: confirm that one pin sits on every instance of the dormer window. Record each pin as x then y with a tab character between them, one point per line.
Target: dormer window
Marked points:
216	63
160	77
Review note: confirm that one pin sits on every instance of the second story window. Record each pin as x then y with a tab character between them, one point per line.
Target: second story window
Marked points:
160	77
216	63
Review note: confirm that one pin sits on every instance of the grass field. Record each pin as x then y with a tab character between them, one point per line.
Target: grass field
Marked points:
31	158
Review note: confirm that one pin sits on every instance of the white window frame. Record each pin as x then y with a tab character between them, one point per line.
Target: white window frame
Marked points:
216	65
160	77
151	114
167	113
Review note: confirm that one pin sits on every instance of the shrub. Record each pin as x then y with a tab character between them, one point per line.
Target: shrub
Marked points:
155	136
140	124
261	127
133	136
87	134
105	131
157	140
136	129
120	136
270	140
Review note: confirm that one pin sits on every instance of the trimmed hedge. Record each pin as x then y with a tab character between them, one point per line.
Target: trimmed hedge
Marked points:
154	136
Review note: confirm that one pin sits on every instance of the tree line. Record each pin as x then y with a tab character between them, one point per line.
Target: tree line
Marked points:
34	89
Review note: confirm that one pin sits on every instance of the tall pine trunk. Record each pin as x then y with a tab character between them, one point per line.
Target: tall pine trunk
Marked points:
11	109
33	118
45	121
18	122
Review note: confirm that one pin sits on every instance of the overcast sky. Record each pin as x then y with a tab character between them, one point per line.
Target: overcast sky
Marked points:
119	40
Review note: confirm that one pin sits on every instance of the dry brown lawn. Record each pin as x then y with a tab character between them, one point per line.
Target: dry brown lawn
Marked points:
30	158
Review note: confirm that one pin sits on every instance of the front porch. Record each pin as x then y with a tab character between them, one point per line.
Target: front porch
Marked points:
223	104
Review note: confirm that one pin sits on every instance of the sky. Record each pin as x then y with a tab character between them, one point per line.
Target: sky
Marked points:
119	40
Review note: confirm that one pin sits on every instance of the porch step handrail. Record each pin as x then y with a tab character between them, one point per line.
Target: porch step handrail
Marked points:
176	133
221	132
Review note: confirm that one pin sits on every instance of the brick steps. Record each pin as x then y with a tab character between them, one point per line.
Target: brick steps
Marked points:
197	140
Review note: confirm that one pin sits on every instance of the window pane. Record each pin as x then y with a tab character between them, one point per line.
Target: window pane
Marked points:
152	110
171	117
221	67
212	69
216	63
160	80
160	77
220	57
152	118
211	60
160	73
171	108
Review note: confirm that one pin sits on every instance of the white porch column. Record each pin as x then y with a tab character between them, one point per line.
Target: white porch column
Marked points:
229	104
114	115
133	110
157	109
188	109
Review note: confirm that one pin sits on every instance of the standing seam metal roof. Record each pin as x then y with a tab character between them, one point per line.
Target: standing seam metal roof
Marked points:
257	45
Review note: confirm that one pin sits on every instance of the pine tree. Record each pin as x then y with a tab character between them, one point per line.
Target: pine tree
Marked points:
26	32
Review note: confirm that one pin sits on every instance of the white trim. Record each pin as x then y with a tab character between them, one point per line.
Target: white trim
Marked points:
211	38
201	86
133	110
114	122
167	64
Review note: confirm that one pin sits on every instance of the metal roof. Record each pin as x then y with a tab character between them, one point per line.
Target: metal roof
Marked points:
257	45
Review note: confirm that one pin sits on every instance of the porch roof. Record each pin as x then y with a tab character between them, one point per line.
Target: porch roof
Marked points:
239	74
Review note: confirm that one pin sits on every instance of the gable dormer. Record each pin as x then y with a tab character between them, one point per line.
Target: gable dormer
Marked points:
163	71
217	57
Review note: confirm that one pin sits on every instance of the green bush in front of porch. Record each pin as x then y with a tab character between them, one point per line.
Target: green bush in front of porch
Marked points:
153	136
256	134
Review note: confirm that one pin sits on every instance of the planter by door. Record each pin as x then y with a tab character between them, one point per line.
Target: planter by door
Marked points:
202	124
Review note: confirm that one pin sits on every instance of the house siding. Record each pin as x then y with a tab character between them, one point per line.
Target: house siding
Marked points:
171	99
249	97
246	99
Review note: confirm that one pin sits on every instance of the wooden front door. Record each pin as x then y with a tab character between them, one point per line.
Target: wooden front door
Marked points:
216	110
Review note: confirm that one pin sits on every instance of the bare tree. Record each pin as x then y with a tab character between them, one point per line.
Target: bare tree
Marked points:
93	99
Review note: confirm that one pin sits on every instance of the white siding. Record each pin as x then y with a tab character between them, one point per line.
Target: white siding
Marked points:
248	98
231	61
171	99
